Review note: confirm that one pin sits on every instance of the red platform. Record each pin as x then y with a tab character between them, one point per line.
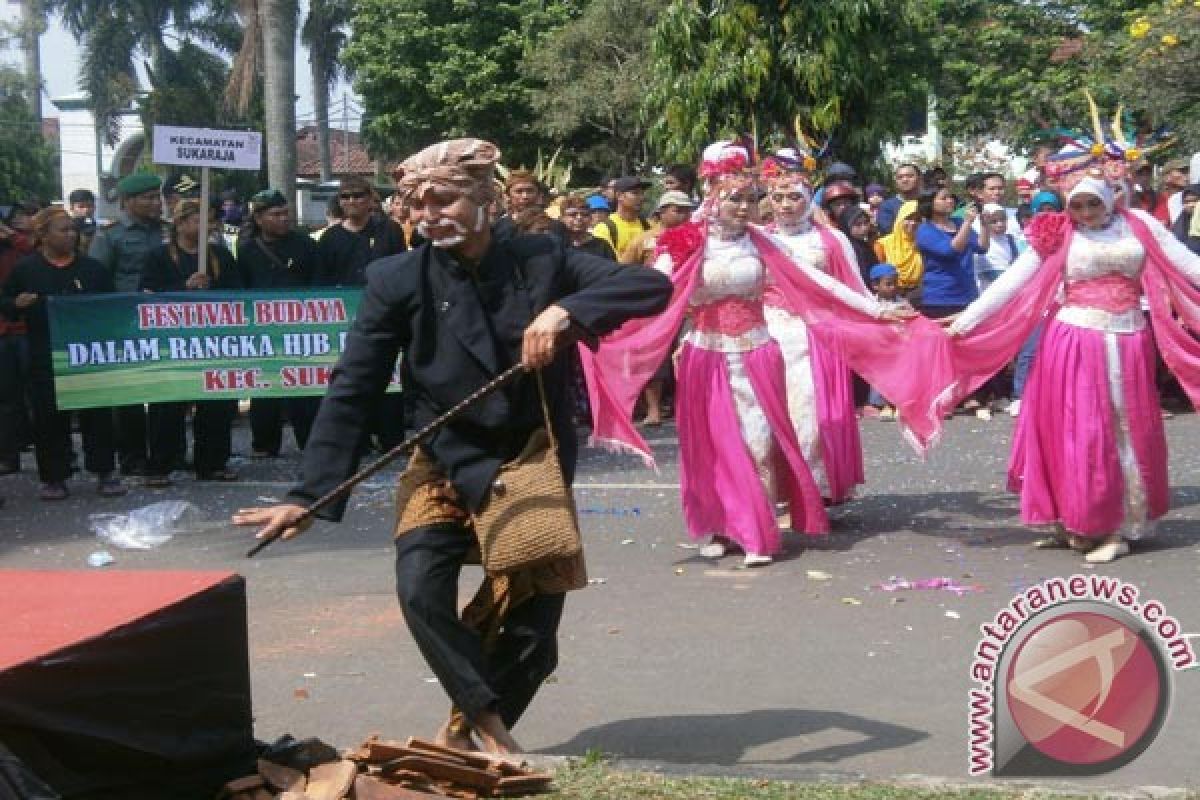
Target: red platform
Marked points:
126	684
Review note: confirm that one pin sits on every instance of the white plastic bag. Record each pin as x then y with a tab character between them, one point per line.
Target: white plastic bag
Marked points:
149	526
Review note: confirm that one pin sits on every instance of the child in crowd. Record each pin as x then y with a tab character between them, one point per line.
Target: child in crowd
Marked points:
885	282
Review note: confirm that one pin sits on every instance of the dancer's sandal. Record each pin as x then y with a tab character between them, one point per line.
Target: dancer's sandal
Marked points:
1112	548
756	560
1055	541
714	549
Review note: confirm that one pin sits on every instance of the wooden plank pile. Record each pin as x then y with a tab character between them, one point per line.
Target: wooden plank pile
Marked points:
384	770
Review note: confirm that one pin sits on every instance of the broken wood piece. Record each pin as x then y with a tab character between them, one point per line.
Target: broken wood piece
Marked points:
532	782
474	758
444	769
281	778
331	781
369	788
239	785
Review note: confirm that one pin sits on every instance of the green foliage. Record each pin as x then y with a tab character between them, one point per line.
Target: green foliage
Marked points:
1009	68
324	34
1160	74
28	162
849	68
593	73
432	69
113	35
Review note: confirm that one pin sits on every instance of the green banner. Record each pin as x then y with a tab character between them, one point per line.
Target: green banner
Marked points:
123	349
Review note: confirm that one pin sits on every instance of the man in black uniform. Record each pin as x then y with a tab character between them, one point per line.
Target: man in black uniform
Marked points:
463	308
363	235
272	255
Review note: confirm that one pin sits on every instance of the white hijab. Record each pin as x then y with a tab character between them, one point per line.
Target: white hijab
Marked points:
1097	187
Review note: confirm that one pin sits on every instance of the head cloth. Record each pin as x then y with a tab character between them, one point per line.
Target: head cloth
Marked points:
461	166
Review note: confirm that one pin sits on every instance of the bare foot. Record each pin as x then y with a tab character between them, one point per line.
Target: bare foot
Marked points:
447	737
494	735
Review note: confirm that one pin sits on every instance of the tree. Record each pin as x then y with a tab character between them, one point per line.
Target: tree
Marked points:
324	34
278	21
28	163
113	35
846	68
1012	68
432	69
1160	49
592	74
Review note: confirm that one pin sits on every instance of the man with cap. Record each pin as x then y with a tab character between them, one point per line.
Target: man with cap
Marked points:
672	210
463	308
273	255
122	248
621	227
599	210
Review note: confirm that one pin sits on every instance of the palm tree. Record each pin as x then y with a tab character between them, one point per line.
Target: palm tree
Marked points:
114	34
324	34
278	21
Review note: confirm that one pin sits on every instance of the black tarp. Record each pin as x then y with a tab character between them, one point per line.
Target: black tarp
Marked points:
155	708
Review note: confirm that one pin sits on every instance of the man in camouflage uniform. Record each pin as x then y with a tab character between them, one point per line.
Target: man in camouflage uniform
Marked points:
122	247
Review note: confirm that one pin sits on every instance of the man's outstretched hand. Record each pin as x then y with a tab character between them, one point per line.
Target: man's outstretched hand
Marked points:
273	519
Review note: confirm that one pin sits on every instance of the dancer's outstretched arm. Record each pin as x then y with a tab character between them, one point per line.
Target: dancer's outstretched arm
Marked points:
996	296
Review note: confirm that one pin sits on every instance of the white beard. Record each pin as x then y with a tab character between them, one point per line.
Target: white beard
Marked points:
454	239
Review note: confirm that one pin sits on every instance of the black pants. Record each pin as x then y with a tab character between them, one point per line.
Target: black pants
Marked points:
211	425
52	435
504	679
267	415
15	427
132	438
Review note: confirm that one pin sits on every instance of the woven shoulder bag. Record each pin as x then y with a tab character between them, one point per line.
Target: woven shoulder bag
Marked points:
528	517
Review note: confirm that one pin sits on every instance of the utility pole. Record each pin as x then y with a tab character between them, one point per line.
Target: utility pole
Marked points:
345	132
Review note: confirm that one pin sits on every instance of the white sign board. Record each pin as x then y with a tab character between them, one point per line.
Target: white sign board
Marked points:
206	147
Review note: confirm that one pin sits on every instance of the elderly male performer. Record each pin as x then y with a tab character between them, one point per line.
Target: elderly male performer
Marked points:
462	308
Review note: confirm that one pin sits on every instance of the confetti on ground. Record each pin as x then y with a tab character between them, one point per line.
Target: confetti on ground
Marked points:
942	584
691	546
627	541
851	601
615	512
953	615
818	575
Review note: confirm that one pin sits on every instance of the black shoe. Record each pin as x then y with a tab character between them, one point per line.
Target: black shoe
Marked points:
134	469
226	475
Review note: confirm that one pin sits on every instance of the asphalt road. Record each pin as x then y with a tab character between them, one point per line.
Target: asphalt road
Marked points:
799	670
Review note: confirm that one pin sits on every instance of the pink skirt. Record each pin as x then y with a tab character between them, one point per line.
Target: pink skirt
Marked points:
1066	459
837	421
724	490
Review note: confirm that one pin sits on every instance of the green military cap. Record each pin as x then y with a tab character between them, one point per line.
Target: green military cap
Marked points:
268	198
137	183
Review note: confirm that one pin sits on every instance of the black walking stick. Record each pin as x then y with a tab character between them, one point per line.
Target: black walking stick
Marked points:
391	455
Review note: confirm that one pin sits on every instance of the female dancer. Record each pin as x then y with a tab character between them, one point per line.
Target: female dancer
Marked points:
1089	454
738	450
820	389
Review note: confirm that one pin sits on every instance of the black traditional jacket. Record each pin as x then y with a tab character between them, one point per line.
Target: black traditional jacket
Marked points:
458	328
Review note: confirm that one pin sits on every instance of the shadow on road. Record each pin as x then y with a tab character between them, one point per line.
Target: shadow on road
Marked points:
727	739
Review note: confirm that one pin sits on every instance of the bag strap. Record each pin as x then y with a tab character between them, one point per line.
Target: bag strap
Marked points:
274	259
546	409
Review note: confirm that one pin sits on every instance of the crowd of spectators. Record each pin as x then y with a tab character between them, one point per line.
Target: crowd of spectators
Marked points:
920	239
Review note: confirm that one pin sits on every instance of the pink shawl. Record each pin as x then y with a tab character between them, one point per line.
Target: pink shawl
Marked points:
879	351
978	354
